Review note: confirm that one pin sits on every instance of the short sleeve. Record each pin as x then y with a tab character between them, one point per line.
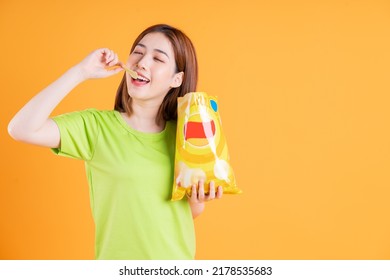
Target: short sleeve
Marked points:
79	133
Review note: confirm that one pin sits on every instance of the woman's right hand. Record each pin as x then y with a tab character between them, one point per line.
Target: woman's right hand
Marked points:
99	63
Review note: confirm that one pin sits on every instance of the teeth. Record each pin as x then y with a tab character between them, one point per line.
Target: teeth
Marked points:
142	79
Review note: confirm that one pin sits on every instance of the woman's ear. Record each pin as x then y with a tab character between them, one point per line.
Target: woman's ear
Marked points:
177	80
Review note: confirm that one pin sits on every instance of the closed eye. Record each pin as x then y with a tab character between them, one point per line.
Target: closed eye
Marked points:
157	59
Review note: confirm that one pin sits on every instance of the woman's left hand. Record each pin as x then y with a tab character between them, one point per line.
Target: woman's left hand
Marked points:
198	198
198	194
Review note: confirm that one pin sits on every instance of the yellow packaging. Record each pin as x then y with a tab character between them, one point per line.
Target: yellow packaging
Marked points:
201	150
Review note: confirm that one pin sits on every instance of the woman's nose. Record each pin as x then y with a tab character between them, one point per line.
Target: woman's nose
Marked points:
142	64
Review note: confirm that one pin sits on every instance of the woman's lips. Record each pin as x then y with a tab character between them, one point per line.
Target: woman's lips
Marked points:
139	82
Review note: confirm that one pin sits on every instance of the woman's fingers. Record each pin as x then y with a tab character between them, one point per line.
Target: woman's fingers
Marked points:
219	192
194	194
110	58
114	61
212	191
99	64
198	192
201	196
103	54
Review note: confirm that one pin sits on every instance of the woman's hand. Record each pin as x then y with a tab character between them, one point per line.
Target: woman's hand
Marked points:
99	64
198	197
32	124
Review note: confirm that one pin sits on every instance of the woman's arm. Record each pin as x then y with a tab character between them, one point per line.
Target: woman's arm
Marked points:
198	198
32	123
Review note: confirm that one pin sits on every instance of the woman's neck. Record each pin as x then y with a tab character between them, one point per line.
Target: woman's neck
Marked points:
143	118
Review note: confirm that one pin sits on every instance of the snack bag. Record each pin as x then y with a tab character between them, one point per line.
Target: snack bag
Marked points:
201	150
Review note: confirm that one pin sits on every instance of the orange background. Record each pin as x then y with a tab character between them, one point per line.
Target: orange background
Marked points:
303	89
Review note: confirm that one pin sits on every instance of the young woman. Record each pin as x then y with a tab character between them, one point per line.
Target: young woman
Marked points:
128	151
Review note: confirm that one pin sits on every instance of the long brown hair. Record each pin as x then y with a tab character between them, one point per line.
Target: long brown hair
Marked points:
186	62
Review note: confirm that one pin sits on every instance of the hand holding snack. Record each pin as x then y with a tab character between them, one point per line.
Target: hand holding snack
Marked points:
99	64
198	195
201	150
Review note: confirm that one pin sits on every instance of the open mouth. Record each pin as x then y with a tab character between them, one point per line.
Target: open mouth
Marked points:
141	80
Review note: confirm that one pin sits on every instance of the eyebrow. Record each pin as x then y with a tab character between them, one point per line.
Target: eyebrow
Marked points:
157	50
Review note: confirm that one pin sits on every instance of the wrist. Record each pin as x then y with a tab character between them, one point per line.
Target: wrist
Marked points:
79	73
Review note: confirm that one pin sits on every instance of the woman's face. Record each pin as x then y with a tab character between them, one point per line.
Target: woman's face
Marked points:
154	61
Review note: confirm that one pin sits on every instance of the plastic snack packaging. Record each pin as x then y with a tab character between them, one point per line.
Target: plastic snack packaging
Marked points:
201	150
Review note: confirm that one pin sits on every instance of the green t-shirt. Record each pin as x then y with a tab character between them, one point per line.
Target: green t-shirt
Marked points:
130	176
